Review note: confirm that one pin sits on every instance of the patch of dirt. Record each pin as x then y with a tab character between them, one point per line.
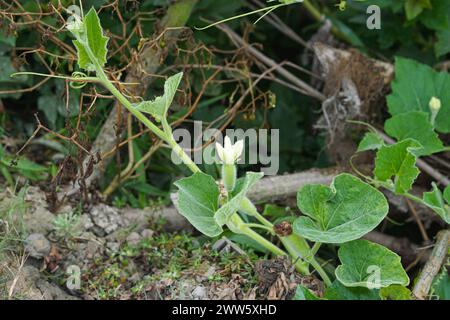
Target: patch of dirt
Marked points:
278	279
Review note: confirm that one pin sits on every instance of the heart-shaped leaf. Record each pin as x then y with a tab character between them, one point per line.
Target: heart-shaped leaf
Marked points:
95	39
198	197
229	208
369	265
159	106
415	125
398	161
345	211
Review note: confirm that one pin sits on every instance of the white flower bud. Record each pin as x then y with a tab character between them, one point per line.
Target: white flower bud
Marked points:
435	104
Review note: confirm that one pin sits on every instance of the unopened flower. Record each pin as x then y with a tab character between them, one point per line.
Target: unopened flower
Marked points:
435	104
230	153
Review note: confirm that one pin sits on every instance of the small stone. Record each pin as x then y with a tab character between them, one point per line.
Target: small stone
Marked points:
113	246
133	238
37	245
147	233
86	222
106	218
93	249
38	220
199	293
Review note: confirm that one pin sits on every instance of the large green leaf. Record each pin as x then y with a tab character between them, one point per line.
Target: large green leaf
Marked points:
94	38
198	198
345	211
415	125
159	106
414	85
228	209
337	291
398	161
369	265
436	201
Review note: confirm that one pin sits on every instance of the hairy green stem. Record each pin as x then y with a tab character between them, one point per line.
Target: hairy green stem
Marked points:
260	226
315	248
167	137
320	271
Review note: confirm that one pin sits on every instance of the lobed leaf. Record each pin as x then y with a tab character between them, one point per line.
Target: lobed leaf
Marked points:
345	211
398	161
415	125
369	265
97	42
160	105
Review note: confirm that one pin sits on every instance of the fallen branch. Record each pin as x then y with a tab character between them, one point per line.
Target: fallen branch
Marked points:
433	266
273	188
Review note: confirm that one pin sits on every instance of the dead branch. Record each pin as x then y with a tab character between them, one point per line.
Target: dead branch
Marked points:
274	188
433	266
303	86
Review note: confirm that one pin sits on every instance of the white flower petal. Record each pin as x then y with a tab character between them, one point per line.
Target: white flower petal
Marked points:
229	153
220	151
227	145
238	149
